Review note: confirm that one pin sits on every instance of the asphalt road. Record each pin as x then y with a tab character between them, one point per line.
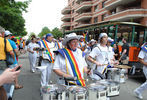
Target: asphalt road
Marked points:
31	83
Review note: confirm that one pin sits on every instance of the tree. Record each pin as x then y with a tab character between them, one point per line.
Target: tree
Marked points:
44	31
57	33
11	16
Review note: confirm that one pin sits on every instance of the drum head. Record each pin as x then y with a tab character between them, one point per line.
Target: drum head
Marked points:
77	89
108	82
53	88
97	87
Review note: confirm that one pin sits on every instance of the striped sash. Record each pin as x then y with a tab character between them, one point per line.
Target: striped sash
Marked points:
74	66
48	52
58	45
80	44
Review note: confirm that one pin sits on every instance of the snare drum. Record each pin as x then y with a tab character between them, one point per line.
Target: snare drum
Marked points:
77	93
54	92
113	87
113	74
97	91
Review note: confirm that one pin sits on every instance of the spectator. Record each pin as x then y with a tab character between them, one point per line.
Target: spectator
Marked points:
2	50
16	53
116	52
125	52
8	76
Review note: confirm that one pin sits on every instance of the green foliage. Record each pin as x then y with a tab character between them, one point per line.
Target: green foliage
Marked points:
11	16
44	31
56	32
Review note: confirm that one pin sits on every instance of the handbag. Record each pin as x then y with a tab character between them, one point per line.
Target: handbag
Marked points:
3	95
9	58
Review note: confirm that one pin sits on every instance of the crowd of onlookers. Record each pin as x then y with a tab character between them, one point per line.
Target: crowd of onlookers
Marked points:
9	52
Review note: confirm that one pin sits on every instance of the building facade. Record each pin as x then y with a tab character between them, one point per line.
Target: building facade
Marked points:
82	13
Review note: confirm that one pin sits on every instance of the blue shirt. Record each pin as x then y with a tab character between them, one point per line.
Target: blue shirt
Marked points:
13	45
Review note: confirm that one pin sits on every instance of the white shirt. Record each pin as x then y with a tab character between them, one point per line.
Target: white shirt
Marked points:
111	52
143	55
51	46
31	46
60	63
81	43
101	55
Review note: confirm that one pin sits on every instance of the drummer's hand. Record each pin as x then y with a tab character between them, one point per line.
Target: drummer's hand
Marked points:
116	62
67	75
98	64
88	72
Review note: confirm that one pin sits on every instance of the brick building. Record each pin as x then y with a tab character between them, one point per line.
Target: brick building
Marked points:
83	13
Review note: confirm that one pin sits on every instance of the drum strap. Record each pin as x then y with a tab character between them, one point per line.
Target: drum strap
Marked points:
80	44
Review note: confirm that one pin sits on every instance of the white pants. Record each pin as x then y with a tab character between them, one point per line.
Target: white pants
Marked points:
144	85
46	73
32	59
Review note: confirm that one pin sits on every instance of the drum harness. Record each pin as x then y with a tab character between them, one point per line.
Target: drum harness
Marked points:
101	75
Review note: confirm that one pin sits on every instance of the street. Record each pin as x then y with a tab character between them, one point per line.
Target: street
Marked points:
31	83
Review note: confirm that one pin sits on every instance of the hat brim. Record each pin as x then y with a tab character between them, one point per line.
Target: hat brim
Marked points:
68	39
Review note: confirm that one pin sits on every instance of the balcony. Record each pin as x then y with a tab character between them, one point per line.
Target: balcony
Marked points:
126	15
66	10
78	1
66	24
111	4
83	16
81	25
84	6
66	17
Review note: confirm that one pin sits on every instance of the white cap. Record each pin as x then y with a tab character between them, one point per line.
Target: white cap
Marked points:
110	39
102	35
7	33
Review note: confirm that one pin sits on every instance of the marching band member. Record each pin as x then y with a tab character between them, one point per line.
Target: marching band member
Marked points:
143	59
70	61
59	43
82	44
47	58
32	54
100	53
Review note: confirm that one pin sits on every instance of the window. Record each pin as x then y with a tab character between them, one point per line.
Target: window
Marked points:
96	8
72	11
103	17
73	2
103	4
95	19
72	19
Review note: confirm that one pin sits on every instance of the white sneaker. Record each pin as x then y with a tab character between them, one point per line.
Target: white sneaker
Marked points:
138	95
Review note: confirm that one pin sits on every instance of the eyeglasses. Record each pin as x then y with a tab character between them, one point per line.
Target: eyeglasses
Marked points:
74	42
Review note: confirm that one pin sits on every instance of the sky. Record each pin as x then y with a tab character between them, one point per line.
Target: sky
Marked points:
43	13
